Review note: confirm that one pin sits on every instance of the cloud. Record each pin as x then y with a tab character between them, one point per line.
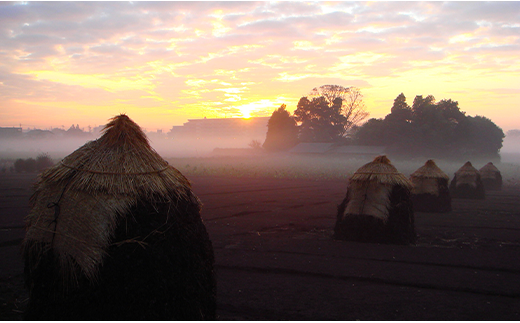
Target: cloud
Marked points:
192	54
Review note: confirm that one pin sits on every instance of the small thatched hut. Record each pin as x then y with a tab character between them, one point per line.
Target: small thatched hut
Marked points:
115	233
491	177
467	184
377	207
430	192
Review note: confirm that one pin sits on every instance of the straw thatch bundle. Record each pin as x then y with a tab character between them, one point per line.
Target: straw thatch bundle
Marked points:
377	207
491	177
115	233
467	184
430	192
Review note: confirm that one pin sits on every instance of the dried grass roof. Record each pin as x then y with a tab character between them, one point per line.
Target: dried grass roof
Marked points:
489	168
120	162
466	169
429	170
94	187
381	171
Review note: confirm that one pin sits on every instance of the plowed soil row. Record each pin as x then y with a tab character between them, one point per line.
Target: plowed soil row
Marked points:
276	259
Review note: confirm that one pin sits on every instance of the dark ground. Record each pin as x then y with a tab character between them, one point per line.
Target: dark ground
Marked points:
276	260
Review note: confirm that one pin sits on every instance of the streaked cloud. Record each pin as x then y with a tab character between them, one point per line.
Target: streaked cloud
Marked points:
170	61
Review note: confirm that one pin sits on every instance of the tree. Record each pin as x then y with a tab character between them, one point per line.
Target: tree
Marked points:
255	144
19	165
422	108
43	161
484	137
320	120
401	111
434	129
353	107
372	133
282	131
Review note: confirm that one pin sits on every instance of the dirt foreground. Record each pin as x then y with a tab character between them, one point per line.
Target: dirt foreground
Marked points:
276	260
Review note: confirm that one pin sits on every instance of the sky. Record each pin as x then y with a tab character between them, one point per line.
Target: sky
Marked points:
162	63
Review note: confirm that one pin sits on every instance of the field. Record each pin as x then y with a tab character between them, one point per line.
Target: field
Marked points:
319	167
271	221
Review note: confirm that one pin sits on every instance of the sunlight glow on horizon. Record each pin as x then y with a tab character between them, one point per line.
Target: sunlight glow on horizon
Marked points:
166	62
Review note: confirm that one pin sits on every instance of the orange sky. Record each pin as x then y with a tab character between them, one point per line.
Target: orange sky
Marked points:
64	63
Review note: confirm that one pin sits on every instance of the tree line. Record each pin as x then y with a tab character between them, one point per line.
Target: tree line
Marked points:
31	165
333	113
327	114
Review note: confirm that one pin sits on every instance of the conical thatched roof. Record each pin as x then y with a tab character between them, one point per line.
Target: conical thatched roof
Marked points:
381	171
120	162
489	168
429	170
466	169
78	203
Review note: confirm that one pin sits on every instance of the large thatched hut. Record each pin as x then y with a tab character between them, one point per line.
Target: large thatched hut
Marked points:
377	207
467	184
430	192
491	177
115	233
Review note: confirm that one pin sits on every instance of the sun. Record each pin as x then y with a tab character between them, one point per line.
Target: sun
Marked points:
256	107
245	114
246	110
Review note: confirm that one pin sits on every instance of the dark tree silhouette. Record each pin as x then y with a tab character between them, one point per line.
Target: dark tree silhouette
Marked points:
484	137
353	107
43	161
282	131
320	120
372	133
434	129
401	111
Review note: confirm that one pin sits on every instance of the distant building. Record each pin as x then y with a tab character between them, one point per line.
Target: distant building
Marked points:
331	149
39	134
360	151
251	128
311	148
10	132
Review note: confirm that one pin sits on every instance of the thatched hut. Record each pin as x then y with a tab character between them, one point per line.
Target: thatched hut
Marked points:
377	207
115	233
430	192
491	177
467	184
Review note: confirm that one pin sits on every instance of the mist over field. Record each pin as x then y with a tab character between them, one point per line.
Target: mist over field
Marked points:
61	147
172	148
236	158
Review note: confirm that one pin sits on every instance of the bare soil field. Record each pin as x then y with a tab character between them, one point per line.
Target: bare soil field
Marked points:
276	259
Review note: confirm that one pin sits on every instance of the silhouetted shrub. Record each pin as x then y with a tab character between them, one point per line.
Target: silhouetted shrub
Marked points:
282	131
19	165
255	144
30	165
43	161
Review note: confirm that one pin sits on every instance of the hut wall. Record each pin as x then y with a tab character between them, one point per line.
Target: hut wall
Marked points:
78	229
492	181
467	179
467	190
399	228
369	198
427	202
159	266
425	186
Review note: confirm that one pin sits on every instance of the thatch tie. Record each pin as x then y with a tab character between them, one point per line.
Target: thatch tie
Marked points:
113	173
375	173
364	200
56	206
